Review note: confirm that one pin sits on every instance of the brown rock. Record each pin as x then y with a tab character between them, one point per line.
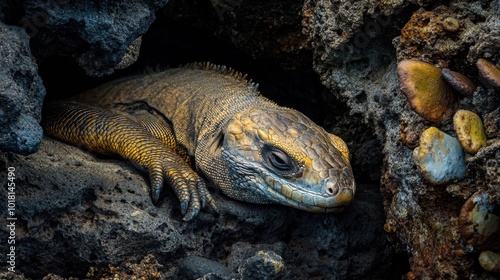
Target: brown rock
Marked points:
489	74
479	222
427	92
459	82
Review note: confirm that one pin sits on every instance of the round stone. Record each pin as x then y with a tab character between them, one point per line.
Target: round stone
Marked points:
470	131
428	94
451	24
263	265
488	73
459	82
439	157
479	222
490	261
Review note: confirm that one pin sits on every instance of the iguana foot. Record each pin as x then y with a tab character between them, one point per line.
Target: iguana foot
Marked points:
189	187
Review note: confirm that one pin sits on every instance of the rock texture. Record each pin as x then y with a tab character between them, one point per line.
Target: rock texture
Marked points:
363	73
77	211
21	93
354	47
96	35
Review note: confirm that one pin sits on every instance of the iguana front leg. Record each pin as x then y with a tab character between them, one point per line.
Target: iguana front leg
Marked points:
110	131
156	125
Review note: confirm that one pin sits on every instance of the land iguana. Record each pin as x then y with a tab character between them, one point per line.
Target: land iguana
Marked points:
245	144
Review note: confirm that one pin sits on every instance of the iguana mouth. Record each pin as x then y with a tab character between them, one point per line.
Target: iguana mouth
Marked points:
307	200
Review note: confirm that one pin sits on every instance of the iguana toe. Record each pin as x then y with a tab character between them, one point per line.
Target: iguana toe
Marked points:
156	186
194	207
207	201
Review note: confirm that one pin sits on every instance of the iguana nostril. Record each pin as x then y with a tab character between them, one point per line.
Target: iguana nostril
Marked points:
330	188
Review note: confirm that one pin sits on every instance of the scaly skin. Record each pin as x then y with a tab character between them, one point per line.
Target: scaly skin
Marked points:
249	147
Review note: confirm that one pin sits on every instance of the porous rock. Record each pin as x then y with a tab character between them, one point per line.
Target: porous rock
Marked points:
77	211
21	93
492	123
483	36
96	34
264	265
148	268
241	251
362	73
337	23
9	275
194	267
483	171
426	36
485	101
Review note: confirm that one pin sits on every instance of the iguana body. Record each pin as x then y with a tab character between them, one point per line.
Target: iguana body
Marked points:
249	147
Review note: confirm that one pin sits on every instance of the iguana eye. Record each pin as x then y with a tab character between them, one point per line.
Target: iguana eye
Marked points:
279	161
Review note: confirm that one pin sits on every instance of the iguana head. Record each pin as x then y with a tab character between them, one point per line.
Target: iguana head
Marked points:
278	155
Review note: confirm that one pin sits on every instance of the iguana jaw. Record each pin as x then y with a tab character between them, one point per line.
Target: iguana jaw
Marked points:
309	201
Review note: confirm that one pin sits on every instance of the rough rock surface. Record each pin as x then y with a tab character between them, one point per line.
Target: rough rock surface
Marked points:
355	47
21	93
422	217
95	34
76	210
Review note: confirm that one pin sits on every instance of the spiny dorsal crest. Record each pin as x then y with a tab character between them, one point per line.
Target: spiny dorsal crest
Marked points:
222	69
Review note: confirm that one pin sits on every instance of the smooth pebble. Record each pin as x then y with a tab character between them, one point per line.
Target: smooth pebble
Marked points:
459	82
488	73
490	261
439	157
470	131
428	94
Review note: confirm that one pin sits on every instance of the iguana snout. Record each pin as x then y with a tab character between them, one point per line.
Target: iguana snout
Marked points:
278	155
